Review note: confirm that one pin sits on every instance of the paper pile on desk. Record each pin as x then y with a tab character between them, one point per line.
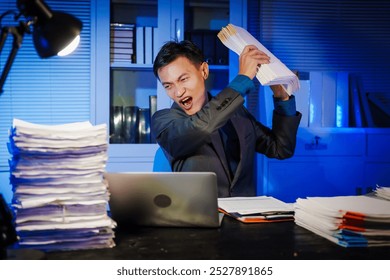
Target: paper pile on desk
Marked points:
274	73
383	192
59	195
257	209
349	221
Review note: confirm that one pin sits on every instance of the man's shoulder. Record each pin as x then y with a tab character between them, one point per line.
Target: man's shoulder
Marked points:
169	112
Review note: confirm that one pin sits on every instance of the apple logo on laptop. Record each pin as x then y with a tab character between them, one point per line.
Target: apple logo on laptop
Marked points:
162	201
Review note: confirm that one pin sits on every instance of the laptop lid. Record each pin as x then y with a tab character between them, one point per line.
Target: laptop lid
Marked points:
172	199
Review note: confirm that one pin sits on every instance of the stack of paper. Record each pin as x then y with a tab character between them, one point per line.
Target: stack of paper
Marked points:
258	209
383	192
59	195
274	73
349	221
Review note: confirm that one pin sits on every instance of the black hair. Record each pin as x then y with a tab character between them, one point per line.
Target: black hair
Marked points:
173	49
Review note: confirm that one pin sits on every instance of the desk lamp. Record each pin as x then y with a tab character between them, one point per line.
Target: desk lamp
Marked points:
54	33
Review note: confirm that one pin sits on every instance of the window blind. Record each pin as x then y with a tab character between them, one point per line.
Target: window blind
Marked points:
55	90
253	24
327	35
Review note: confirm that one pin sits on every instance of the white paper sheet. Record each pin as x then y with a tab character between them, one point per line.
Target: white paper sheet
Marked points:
253	205
274	73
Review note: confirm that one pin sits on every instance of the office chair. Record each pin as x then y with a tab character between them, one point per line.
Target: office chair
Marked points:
161	163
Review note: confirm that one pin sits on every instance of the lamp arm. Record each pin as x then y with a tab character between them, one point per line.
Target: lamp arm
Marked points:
17	33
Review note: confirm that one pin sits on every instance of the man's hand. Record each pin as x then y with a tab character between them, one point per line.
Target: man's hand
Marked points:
251	60
279	92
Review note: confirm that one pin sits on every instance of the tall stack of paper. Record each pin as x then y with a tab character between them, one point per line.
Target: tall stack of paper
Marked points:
349	221
383	192
59	195
274	73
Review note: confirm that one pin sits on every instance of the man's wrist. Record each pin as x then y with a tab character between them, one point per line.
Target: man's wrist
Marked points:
279	92
287	107
243	84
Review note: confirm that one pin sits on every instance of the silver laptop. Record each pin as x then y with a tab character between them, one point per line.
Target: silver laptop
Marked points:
170	199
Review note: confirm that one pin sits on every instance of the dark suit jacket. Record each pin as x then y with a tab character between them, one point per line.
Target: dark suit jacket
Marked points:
193	143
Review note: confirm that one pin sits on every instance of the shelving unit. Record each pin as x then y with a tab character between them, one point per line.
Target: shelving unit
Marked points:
132	83
125	83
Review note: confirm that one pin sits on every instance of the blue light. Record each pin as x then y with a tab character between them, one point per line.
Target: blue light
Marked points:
311	113
339	116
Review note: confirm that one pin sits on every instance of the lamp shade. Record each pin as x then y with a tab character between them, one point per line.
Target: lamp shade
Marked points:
53	35
52	31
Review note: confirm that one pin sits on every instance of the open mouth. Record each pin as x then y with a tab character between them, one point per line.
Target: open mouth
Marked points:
186	102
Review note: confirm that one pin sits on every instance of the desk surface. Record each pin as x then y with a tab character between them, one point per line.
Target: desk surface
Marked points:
233	241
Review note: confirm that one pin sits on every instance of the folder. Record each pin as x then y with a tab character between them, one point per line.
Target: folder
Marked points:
258	209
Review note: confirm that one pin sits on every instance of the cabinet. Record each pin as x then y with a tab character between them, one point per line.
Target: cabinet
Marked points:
328	160
124	86
377	158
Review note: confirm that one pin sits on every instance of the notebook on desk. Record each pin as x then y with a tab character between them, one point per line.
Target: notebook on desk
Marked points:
170	199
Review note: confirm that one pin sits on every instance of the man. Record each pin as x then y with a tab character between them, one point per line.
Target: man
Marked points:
217	134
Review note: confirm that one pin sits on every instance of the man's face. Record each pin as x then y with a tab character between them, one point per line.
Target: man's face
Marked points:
185	83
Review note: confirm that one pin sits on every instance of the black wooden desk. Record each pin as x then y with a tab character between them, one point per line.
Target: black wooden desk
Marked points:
234	240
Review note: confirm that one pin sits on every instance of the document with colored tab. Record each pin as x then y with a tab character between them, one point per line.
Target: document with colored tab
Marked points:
258	209
349	221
